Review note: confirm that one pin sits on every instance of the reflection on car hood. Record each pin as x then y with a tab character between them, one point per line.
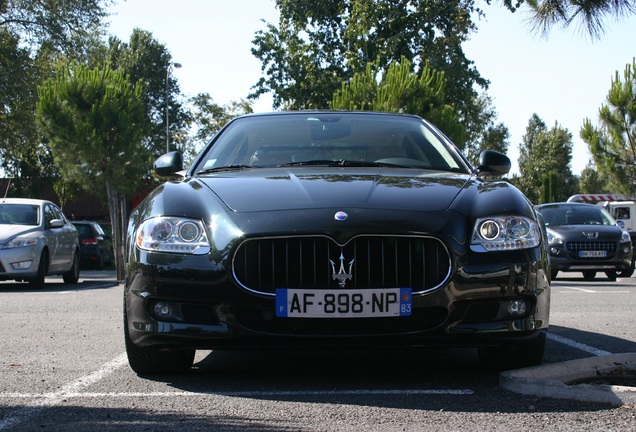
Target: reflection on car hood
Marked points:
279	189
9	231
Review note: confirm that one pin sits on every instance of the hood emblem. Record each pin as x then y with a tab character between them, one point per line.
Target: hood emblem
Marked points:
591	235
340	216
341	276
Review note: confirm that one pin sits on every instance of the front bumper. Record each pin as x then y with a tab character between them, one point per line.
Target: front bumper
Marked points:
210	311
562	261
19	263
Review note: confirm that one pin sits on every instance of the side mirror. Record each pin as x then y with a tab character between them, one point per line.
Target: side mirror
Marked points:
56	223
493	162
169	164
621	224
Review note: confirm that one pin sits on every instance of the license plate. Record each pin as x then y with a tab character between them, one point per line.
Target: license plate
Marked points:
296	303
592	254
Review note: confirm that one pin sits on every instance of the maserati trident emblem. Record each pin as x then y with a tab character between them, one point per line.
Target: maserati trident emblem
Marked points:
591	235
340	216
342	276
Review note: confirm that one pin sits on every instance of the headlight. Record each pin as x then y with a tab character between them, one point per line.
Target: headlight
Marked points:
503	233
173	234
553	238
625	237
20	242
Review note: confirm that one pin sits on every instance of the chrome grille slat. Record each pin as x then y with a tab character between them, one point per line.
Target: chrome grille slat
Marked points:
421	263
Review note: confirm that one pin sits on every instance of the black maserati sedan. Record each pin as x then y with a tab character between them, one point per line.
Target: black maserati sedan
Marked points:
329	230
584	238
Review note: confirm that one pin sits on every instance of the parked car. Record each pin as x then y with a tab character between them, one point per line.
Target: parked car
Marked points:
585	238
334	230
36	240
95	245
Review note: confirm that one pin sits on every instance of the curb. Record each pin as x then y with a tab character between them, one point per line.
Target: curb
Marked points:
549	380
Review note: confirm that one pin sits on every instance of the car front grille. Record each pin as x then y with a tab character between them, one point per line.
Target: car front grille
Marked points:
575	247
317	262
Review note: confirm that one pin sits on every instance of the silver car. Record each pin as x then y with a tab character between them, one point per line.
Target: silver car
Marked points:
36	240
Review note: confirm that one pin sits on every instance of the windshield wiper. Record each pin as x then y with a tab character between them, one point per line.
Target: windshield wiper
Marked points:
224	168
337	163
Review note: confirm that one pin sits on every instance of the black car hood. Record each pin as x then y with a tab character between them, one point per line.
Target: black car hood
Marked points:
282	189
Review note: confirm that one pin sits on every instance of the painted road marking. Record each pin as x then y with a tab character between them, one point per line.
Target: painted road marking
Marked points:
578	345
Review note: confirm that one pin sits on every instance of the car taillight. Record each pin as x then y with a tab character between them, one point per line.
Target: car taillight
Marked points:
90	241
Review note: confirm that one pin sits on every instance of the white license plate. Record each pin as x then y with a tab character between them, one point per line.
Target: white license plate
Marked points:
592	254
297	303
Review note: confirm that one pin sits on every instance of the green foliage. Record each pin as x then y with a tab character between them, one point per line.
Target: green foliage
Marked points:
146	60
209	117
613	143
319	44
591	181
550	188
590	14
64	24
542	152
402	90
94	120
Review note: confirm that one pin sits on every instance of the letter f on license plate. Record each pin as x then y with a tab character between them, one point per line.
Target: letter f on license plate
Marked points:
296	303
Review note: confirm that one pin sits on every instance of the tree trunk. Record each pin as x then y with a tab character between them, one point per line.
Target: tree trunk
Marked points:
114	210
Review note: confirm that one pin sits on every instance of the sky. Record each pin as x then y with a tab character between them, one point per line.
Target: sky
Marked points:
563	78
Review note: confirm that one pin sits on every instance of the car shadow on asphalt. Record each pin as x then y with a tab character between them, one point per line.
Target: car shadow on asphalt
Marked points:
54	286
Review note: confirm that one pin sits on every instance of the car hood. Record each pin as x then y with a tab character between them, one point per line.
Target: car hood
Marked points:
279	189
588	232
7	232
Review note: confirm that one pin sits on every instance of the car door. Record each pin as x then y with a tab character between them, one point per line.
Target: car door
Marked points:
61	239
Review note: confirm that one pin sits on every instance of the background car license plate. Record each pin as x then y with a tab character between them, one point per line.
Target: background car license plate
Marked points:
593	254
299	303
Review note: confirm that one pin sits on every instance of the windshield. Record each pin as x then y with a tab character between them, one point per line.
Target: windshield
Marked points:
18	214
585	214
330	139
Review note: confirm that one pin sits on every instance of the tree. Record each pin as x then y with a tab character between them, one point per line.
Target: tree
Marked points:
145	59
34	36
542	152
590	14
208	117
613	144
591	181
401	90
319	44
62	23
94	119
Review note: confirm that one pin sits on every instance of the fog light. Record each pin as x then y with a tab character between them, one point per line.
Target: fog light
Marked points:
626	250
163	310
517	307
22	265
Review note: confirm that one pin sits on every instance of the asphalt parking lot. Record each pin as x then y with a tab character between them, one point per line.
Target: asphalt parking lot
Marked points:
63	367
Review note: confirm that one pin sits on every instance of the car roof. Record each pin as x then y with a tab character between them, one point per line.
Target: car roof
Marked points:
31	201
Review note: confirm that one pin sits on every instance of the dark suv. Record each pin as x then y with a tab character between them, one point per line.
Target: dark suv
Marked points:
584	238
96	247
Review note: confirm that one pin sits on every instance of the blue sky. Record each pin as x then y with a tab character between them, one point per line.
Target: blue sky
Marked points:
563	78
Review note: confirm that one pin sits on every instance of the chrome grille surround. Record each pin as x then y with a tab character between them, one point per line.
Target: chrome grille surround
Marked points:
610	246
261	265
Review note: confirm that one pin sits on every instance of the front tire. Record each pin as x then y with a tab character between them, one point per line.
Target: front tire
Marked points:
589	274
72	276
38	281
611	275
628	272
151	361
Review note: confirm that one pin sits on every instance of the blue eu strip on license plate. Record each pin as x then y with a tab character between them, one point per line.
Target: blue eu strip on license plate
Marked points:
297	303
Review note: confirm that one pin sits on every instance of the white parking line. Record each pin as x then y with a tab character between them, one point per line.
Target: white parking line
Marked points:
578	345
50	399
593	291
